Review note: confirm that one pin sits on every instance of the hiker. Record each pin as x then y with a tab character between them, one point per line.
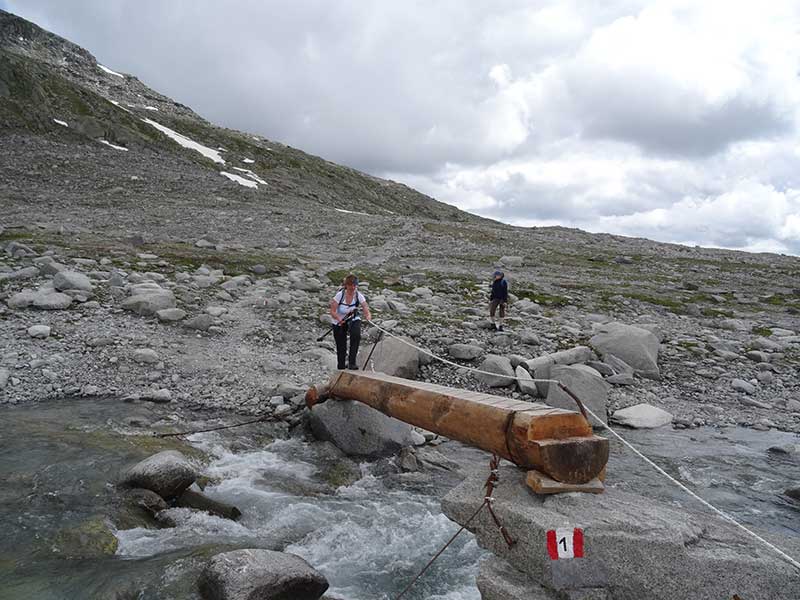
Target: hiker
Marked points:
346	308
498	297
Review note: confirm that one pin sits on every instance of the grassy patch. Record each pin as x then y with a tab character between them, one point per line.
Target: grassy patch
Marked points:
762	331
671	304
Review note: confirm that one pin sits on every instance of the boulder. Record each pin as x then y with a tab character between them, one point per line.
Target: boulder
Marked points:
39	331
525	382
26	273
198	501
393	357
636	346
200	322
590	389
501	366
642	416
465	351
633	546
72	280
170	315
578	354
52	301
256	574
539	368
149	301
359	430
167	474
740	385
511	261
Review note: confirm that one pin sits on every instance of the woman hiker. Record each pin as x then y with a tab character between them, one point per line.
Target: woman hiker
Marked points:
498	297
346	307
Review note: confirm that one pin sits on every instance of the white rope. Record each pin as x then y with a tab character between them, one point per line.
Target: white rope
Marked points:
721	513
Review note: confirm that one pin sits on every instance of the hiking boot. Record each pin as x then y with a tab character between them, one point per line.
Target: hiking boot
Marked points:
500	328
353	367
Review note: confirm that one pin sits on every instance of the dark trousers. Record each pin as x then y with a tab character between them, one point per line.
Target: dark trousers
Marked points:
340	335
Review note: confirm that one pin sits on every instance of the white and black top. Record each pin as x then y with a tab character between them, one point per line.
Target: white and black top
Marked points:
344	307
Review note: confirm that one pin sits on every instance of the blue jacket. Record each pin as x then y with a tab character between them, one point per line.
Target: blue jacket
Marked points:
499	290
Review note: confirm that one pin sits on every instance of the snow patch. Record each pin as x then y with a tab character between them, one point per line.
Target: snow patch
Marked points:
186	142
151	108
110	72
249	161
107	143
352	212
118	105
240	180
251	175
63	123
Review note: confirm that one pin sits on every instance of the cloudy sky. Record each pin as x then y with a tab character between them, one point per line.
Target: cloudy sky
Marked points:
673	120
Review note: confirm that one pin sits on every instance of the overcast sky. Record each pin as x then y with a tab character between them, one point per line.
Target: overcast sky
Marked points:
674	120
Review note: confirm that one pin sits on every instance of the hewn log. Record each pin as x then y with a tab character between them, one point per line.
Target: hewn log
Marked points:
557	442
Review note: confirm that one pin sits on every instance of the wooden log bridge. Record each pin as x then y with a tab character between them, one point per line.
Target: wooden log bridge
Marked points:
557	443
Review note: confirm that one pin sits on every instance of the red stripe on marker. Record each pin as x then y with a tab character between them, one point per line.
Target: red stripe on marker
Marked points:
577	542
552	549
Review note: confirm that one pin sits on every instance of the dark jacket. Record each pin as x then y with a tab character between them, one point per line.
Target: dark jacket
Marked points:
499	290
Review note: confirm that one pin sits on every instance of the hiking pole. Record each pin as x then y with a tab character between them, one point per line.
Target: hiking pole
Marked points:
345	320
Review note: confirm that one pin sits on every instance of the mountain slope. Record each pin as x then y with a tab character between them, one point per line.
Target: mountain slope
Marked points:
54	92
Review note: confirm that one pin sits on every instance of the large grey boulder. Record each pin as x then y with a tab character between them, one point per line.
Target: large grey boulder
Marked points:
572	356
45	299
525	382
72	280
465	351
167	474
393	357
256	574
642	416
148	302
590	389
502	369
25	273
635	547
358	430
636	346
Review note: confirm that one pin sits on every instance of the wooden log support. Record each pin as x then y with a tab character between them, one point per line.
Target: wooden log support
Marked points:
557	442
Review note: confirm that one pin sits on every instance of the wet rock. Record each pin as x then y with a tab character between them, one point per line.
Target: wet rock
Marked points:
358	430
167	474
642	416
91	539
191	499
260	575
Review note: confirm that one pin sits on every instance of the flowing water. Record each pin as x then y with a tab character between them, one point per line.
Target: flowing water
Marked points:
367	532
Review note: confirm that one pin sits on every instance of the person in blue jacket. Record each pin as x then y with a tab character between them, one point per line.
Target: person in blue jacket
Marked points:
498	297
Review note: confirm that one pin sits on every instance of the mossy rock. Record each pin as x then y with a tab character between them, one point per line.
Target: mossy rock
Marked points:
91	539
342	473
